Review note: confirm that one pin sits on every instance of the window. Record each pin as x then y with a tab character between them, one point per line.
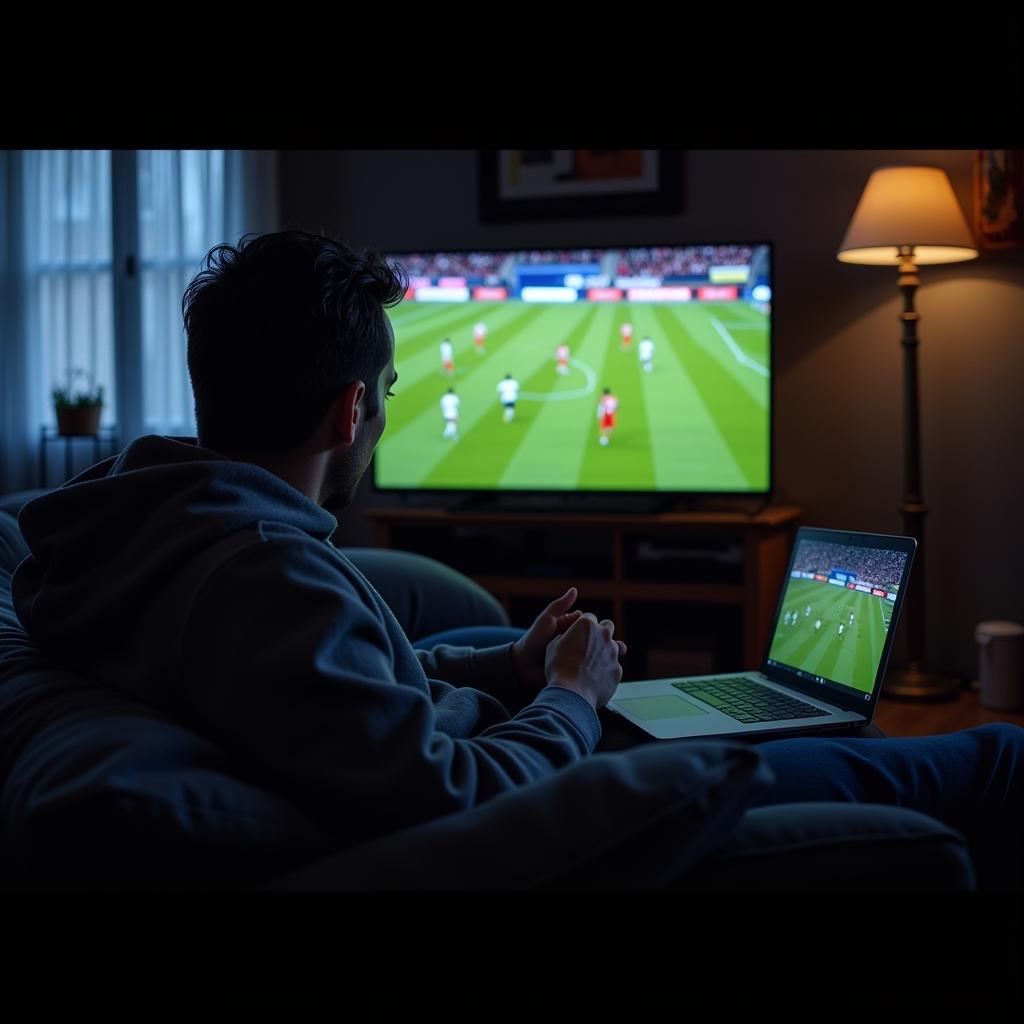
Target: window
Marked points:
69	264
74	199
98	248
181	215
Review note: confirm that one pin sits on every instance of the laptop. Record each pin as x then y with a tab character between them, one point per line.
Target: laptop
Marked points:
827	653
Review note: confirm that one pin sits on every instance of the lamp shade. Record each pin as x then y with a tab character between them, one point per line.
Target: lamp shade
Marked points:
903	206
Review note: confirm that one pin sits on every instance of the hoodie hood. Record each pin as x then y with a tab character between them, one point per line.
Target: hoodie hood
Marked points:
109	539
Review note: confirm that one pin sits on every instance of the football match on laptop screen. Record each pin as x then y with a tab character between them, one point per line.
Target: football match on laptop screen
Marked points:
836	611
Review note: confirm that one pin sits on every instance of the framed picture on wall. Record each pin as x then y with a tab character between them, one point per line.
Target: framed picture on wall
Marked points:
540	184
999	198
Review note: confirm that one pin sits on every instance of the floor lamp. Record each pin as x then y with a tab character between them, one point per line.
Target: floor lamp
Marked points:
908	217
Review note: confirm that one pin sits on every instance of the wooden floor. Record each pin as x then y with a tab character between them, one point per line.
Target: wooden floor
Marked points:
928	718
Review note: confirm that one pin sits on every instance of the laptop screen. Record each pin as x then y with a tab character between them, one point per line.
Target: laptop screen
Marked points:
837	609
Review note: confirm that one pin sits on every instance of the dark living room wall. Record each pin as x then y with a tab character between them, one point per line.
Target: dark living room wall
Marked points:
837	357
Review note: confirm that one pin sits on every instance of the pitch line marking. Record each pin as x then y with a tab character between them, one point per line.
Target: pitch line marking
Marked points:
563	396
416	314
741	357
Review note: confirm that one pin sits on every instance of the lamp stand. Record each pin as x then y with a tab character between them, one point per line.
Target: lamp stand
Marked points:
914	681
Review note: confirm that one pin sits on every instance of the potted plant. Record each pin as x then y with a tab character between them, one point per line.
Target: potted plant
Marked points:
79	405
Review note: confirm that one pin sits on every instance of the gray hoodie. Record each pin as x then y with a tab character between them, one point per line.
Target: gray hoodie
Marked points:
209	589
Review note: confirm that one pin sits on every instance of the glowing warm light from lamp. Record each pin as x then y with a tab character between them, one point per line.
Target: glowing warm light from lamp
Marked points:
907	206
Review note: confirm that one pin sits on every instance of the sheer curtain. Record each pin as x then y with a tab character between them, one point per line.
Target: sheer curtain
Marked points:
57	313
69	263
20	404
188	201
95	253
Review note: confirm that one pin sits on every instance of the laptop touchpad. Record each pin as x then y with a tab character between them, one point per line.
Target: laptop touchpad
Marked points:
648	709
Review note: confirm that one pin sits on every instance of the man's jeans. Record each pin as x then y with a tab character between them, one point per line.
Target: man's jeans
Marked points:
972	780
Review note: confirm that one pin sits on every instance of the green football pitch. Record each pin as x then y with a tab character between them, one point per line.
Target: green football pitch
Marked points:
851	659
697	422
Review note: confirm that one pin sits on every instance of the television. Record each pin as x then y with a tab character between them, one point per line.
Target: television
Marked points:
592	371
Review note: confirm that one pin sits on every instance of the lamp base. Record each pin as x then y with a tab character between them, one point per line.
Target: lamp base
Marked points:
913	684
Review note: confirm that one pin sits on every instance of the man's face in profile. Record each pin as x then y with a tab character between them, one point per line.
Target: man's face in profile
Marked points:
352	462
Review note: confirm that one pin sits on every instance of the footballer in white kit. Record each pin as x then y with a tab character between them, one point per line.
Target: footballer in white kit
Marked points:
626	330
447	357
479	334
450	412
508	392
646	353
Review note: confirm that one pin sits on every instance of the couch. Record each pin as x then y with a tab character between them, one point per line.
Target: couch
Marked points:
100	792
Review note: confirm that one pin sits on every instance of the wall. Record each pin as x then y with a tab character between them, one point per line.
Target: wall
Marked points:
837	358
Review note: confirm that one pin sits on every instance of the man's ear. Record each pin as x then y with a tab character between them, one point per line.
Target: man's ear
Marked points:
347	412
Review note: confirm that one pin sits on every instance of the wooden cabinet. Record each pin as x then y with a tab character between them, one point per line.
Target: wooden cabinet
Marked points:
702	585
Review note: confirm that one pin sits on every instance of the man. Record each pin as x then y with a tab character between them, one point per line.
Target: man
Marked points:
450	412
646	352
562	359
200	577
606	408
508	394
479	334
447	357
626	330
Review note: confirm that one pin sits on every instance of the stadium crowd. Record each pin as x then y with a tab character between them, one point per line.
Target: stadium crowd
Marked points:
883	568
683	261
661	261
451	264
573	256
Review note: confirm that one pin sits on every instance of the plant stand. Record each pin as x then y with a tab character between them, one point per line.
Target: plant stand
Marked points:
104	436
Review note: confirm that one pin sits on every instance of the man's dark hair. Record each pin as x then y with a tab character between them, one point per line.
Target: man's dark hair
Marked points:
277	329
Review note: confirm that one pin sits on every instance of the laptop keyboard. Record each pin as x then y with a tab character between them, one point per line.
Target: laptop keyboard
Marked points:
747	701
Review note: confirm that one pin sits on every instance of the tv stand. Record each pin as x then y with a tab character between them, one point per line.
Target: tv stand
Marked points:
664	577
512	504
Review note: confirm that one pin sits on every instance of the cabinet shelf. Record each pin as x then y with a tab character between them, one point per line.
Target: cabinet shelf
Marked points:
685	592
642	568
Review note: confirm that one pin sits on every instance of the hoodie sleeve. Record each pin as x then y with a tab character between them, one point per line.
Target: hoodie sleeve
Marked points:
288	665
489	669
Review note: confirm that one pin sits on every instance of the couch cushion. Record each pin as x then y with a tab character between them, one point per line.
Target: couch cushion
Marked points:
632	820
14	501
12	545
99	790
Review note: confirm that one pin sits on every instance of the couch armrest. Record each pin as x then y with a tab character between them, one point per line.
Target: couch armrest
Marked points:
817	847
425	595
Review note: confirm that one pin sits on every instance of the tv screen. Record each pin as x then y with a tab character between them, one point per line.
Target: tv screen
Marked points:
642	369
